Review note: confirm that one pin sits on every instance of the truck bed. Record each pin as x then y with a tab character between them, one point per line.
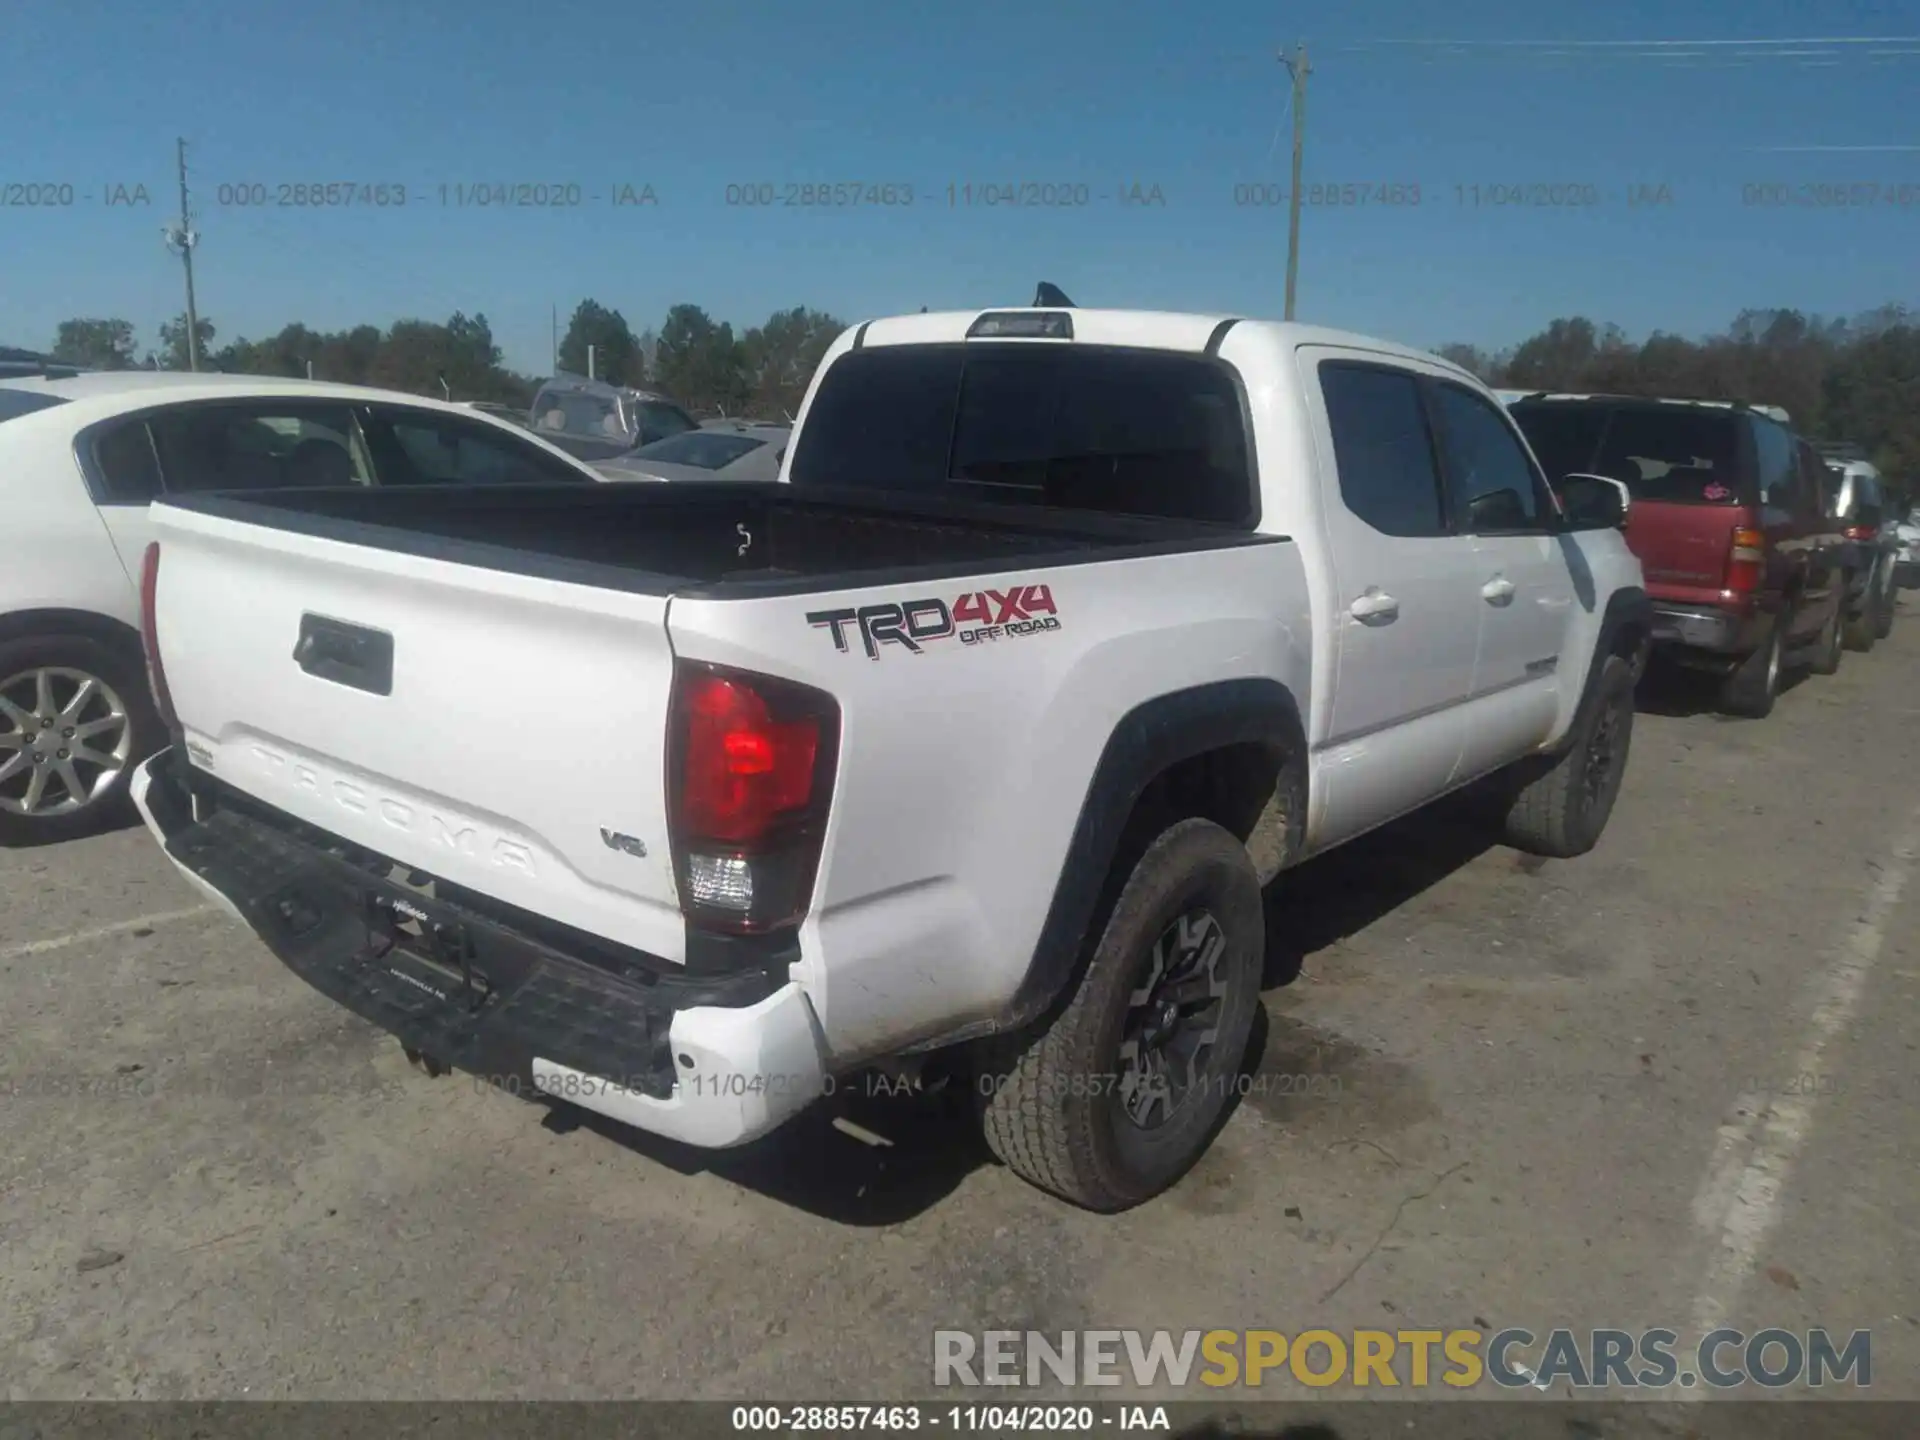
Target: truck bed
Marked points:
709	538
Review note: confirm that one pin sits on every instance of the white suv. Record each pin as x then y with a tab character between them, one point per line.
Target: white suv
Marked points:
81	455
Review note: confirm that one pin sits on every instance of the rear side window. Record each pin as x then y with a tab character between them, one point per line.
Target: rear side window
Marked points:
125	468
430	449
1776	464
24	402
263	446
1382	448
1132	432
1677	456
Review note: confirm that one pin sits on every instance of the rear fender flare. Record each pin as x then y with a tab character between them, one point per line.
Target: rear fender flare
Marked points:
1153	737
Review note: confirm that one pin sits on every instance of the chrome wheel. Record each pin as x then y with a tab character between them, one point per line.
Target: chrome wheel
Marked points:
1173	1020
1774	647
64	741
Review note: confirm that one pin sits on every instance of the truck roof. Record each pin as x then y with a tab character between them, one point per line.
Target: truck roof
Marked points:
1148	329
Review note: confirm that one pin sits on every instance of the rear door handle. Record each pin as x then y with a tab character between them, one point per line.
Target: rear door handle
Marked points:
1497	591
1374	606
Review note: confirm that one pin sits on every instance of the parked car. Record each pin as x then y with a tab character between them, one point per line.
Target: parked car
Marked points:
596	421
941	752
81	457
1906	570
1747	572
1858	506
510	413
723	451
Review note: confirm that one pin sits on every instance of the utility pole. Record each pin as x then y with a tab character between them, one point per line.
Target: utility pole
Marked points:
183	238
556	338
1298	68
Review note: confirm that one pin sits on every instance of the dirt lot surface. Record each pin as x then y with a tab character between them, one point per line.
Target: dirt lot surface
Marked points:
1662	1085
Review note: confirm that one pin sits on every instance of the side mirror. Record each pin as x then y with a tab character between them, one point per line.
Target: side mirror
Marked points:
1594	502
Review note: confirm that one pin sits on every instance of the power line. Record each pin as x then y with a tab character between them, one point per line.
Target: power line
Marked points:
1802	51
1646	44
1834	149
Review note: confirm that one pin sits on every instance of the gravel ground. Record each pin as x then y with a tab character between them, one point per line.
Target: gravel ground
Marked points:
1567	1095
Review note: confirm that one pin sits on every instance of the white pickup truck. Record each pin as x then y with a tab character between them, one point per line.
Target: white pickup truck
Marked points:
679	801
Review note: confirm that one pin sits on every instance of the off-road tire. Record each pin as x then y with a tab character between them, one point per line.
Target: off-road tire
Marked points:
125	674
1561	812
1050	1106
1754	685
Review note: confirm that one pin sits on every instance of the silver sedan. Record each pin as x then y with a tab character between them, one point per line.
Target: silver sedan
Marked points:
722	451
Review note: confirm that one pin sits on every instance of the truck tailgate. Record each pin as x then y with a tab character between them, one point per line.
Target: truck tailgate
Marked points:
510	735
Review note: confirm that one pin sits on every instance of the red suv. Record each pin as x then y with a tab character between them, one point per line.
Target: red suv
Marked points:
1746	572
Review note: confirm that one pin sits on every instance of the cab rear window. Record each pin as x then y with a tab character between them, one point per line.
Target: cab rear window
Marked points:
1122	431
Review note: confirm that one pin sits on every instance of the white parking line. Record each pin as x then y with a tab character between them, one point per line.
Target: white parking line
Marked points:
104	932
1738	1201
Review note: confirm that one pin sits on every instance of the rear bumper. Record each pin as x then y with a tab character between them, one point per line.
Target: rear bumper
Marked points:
711	1062
1706	630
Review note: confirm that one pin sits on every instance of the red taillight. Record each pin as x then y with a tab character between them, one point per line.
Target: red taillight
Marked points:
1860	532
751	769
150	636
1747	560
741	769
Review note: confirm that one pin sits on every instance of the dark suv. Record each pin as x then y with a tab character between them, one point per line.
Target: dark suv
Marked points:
1746	571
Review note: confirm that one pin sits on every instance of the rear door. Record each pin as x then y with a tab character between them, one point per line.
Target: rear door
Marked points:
1522	577
123	476
229	445
1790	516
1406	611
1828	553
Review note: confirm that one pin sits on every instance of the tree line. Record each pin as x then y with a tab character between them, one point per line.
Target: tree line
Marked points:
1841	379
1852	380
692	357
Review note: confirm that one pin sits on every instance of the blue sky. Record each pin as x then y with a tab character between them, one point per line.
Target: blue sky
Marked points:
1106	94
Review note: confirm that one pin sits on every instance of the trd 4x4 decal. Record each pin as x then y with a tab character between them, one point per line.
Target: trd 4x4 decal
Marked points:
976	617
